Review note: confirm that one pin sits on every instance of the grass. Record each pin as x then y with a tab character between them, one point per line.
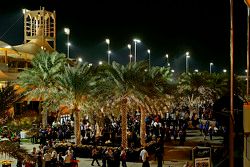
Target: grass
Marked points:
25	140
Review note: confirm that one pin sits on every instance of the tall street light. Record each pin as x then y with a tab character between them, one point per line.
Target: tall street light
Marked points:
130	58
168	64
248	29
187	57
136	41
231	118
246	161
109	53
108	42
67	32
210	67
130	54
149	58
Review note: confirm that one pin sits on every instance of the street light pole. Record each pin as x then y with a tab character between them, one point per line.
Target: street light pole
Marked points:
149	63
130	58
108	42
109	53
67	32
231	118
130	54
210	67
187	57
136	41
168	64
247	52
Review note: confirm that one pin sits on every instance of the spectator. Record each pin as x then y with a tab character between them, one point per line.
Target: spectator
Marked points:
159	156
67	159
47	158
39	159
110	157
94	156
117	158
123	157
60	161
144	157
104	157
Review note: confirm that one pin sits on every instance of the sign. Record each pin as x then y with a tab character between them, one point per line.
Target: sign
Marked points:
202	162
202	156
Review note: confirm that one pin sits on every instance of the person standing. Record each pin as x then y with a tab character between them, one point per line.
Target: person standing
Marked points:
144	157
47	158
123	157
67	159
110	157
39	159
60	161
104	157
94	156
159	156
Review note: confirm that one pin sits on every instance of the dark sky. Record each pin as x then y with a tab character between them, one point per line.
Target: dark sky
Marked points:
164	26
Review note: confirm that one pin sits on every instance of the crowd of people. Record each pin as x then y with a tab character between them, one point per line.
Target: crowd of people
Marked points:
166	128
47	156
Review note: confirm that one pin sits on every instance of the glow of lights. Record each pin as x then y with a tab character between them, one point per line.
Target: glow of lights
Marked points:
80	59
224	70
148	51
137	40
100	62
67	31
107	41
129	46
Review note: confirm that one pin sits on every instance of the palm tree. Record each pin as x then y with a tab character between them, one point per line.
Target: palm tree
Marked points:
75	85
219	85
39	81
131	84
8	97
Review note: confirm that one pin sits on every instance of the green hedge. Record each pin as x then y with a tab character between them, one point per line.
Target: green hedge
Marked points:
84	151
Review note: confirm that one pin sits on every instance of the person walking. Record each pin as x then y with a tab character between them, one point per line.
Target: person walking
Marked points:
144	157
94	156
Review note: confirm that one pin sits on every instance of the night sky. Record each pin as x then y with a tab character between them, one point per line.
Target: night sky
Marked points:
164	26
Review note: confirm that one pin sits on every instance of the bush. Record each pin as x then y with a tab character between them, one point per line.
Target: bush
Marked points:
84	151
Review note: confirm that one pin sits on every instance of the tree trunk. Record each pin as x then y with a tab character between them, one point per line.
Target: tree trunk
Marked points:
44	118
143	127
124	124
77	127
